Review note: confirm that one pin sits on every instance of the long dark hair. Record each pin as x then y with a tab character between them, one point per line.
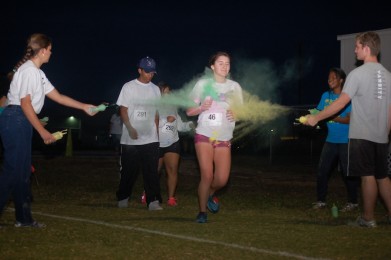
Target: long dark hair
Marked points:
340	74
162	86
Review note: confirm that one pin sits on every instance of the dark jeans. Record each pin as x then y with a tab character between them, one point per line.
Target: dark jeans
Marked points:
331	154
16	134
132	157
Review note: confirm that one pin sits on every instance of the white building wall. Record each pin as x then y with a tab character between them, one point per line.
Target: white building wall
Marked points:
348	58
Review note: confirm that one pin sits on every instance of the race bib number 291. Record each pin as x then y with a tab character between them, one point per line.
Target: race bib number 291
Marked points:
140	115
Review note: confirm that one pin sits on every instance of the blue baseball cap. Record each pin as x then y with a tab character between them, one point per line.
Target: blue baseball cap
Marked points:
147	64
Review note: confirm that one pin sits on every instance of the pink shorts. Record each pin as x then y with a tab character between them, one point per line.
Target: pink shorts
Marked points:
215	143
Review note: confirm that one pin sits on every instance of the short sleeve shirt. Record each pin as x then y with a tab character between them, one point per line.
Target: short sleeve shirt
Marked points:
213	122
29	80
337	132
369	87
141	100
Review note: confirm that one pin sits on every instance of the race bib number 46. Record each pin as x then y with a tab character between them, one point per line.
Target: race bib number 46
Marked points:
140	115
213	119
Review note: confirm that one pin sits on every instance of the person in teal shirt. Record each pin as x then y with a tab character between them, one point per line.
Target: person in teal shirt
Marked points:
335	148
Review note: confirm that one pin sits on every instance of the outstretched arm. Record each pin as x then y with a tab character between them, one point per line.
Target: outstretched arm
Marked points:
336	106
70	102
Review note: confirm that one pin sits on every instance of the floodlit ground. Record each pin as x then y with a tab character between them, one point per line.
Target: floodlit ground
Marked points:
265	214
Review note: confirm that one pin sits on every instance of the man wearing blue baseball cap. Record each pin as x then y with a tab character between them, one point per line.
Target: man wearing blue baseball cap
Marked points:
139	140
147	64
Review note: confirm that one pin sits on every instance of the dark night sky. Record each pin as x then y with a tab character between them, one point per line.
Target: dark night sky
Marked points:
96	46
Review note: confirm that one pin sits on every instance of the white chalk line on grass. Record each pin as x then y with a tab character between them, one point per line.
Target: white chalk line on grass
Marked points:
161	233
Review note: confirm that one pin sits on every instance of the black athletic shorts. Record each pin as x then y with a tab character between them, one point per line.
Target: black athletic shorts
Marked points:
174	148
367	158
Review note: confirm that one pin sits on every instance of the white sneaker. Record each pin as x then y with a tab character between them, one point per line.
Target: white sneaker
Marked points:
34	224
319	205
123	203
364	223
349	207
154	205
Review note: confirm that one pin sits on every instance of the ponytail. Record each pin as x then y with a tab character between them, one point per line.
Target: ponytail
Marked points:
35	43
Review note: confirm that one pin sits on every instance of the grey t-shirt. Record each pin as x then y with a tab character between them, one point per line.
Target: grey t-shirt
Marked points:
369	88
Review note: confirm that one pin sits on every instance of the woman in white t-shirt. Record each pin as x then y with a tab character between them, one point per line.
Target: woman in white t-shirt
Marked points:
26	97
169	152
214	98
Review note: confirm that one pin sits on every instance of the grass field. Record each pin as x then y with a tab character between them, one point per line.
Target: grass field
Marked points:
265	214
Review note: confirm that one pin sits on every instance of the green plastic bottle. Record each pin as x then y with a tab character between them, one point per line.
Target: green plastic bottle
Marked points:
100	108
334	211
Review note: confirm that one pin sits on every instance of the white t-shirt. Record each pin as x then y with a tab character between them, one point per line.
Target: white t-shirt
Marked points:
141	100
29	80
168	131
213	122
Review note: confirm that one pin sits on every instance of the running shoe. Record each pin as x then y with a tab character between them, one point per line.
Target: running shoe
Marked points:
213	204
35	224
123	203
319	205
349	207
172	202
143	198
154	205
202	217
363	223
